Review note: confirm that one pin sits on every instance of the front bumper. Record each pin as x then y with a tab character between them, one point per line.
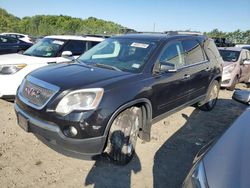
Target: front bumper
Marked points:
8	86
52	136
227	80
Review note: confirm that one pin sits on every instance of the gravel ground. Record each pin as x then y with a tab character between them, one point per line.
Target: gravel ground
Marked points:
163	162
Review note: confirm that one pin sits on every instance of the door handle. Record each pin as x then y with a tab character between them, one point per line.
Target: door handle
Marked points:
186	76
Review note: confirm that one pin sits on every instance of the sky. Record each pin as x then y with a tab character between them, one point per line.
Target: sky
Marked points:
145	15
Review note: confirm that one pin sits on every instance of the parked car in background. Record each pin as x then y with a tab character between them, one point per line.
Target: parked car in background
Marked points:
12	45
224	163
113	93
236	66
244	46
222	42
22	37
49	50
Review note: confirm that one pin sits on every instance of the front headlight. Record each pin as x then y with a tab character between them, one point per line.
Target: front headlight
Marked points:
196	177
84	99
229	69
11	69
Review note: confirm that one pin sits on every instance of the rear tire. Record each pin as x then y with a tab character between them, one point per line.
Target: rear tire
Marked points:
212	97
123	136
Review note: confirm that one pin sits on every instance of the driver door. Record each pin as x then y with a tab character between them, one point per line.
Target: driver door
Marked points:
171	88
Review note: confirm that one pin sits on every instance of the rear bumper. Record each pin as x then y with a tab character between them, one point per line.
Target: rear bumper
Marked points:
51	135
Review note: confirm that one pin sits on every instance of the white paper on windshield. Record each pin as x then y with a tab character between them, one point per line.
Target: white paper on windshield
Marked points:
58	42
139	45
135	65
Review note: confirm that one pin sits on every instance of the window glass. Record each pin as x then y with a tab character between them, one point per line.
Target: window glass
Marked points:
173	53
7	40
128	55
76	47
46	47
229	55
193	52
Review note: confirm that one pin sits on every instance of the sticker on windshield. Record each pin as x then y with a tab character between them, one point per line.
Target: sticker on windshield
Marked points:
139	45
58	42
135	65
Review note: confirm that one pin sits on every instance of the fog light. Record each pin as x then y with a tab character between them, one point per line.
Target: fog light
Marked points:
72	131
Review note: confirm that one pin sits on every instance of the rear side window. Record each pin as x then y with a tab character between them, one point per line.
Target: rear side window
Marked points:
173	53
7	40
193	51
76	47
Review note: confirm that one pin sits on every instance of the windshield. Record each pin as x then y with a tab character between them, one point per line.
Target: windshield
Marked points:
228	55
46	47
119	54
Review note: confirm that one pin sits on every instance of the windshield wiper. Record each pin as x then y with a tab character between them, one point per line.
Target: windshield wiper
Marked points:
107	66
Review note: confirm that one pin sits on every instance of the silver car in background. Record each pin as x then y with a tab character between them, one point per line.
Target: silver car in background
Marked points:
225	163
236	67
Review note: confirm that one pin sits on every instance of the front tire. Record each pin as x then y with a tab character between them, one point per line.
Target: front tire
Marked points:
212	97
123	136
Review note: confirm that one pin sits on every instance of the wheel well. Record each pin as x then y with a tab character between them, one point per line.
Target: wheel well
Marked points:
218	79
145	128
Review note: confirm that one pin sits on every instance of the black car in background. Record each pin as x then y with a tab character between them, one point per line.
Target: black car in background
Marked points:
12	45
114	92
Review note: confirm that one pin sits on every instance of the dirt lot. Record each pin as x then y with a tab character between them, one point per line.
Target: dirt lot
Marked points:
163	162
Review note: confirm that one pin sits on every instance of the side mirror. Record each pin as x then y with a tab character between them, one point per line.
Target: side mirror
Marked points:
167	67
67	54
246	62
242	96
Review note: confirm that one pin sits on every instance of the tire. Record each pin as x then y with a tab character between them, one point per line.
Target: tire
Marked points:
123	136
232	87
212	97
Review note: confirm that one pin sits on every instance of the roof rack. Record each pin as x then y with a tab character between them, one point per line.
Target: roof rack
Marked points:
97	35
183	33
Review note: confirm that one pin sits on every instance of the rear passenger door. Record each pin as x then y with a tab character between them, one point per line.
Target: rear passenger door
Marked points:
198	68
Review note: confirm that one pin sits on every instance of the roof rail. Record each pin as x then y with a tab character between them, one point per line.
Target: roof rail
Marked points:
97	35
183	33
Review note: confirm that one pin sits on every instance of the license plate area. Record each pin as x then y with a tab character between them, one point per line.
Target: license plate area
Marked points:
23	122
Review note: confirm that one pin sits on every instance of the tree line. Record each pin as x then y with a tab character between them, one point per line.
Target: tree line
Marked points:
42	25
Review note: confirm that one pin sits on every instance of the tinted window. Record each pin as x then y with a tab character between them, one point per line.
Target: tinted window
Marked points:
7	40
76	47
193	52
173	53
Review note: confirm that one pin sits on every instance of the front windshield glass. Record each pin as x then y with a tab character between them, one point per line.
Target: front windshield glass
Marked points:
46	47
228	55
119	54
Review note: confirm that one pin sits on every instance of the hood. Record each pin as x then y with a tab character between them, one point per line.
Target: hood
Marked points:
20	59
74	75
227	162
227	63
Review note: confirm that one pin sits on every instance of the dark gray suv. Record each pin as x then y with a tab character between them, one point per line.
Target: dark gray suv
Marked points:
114	92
